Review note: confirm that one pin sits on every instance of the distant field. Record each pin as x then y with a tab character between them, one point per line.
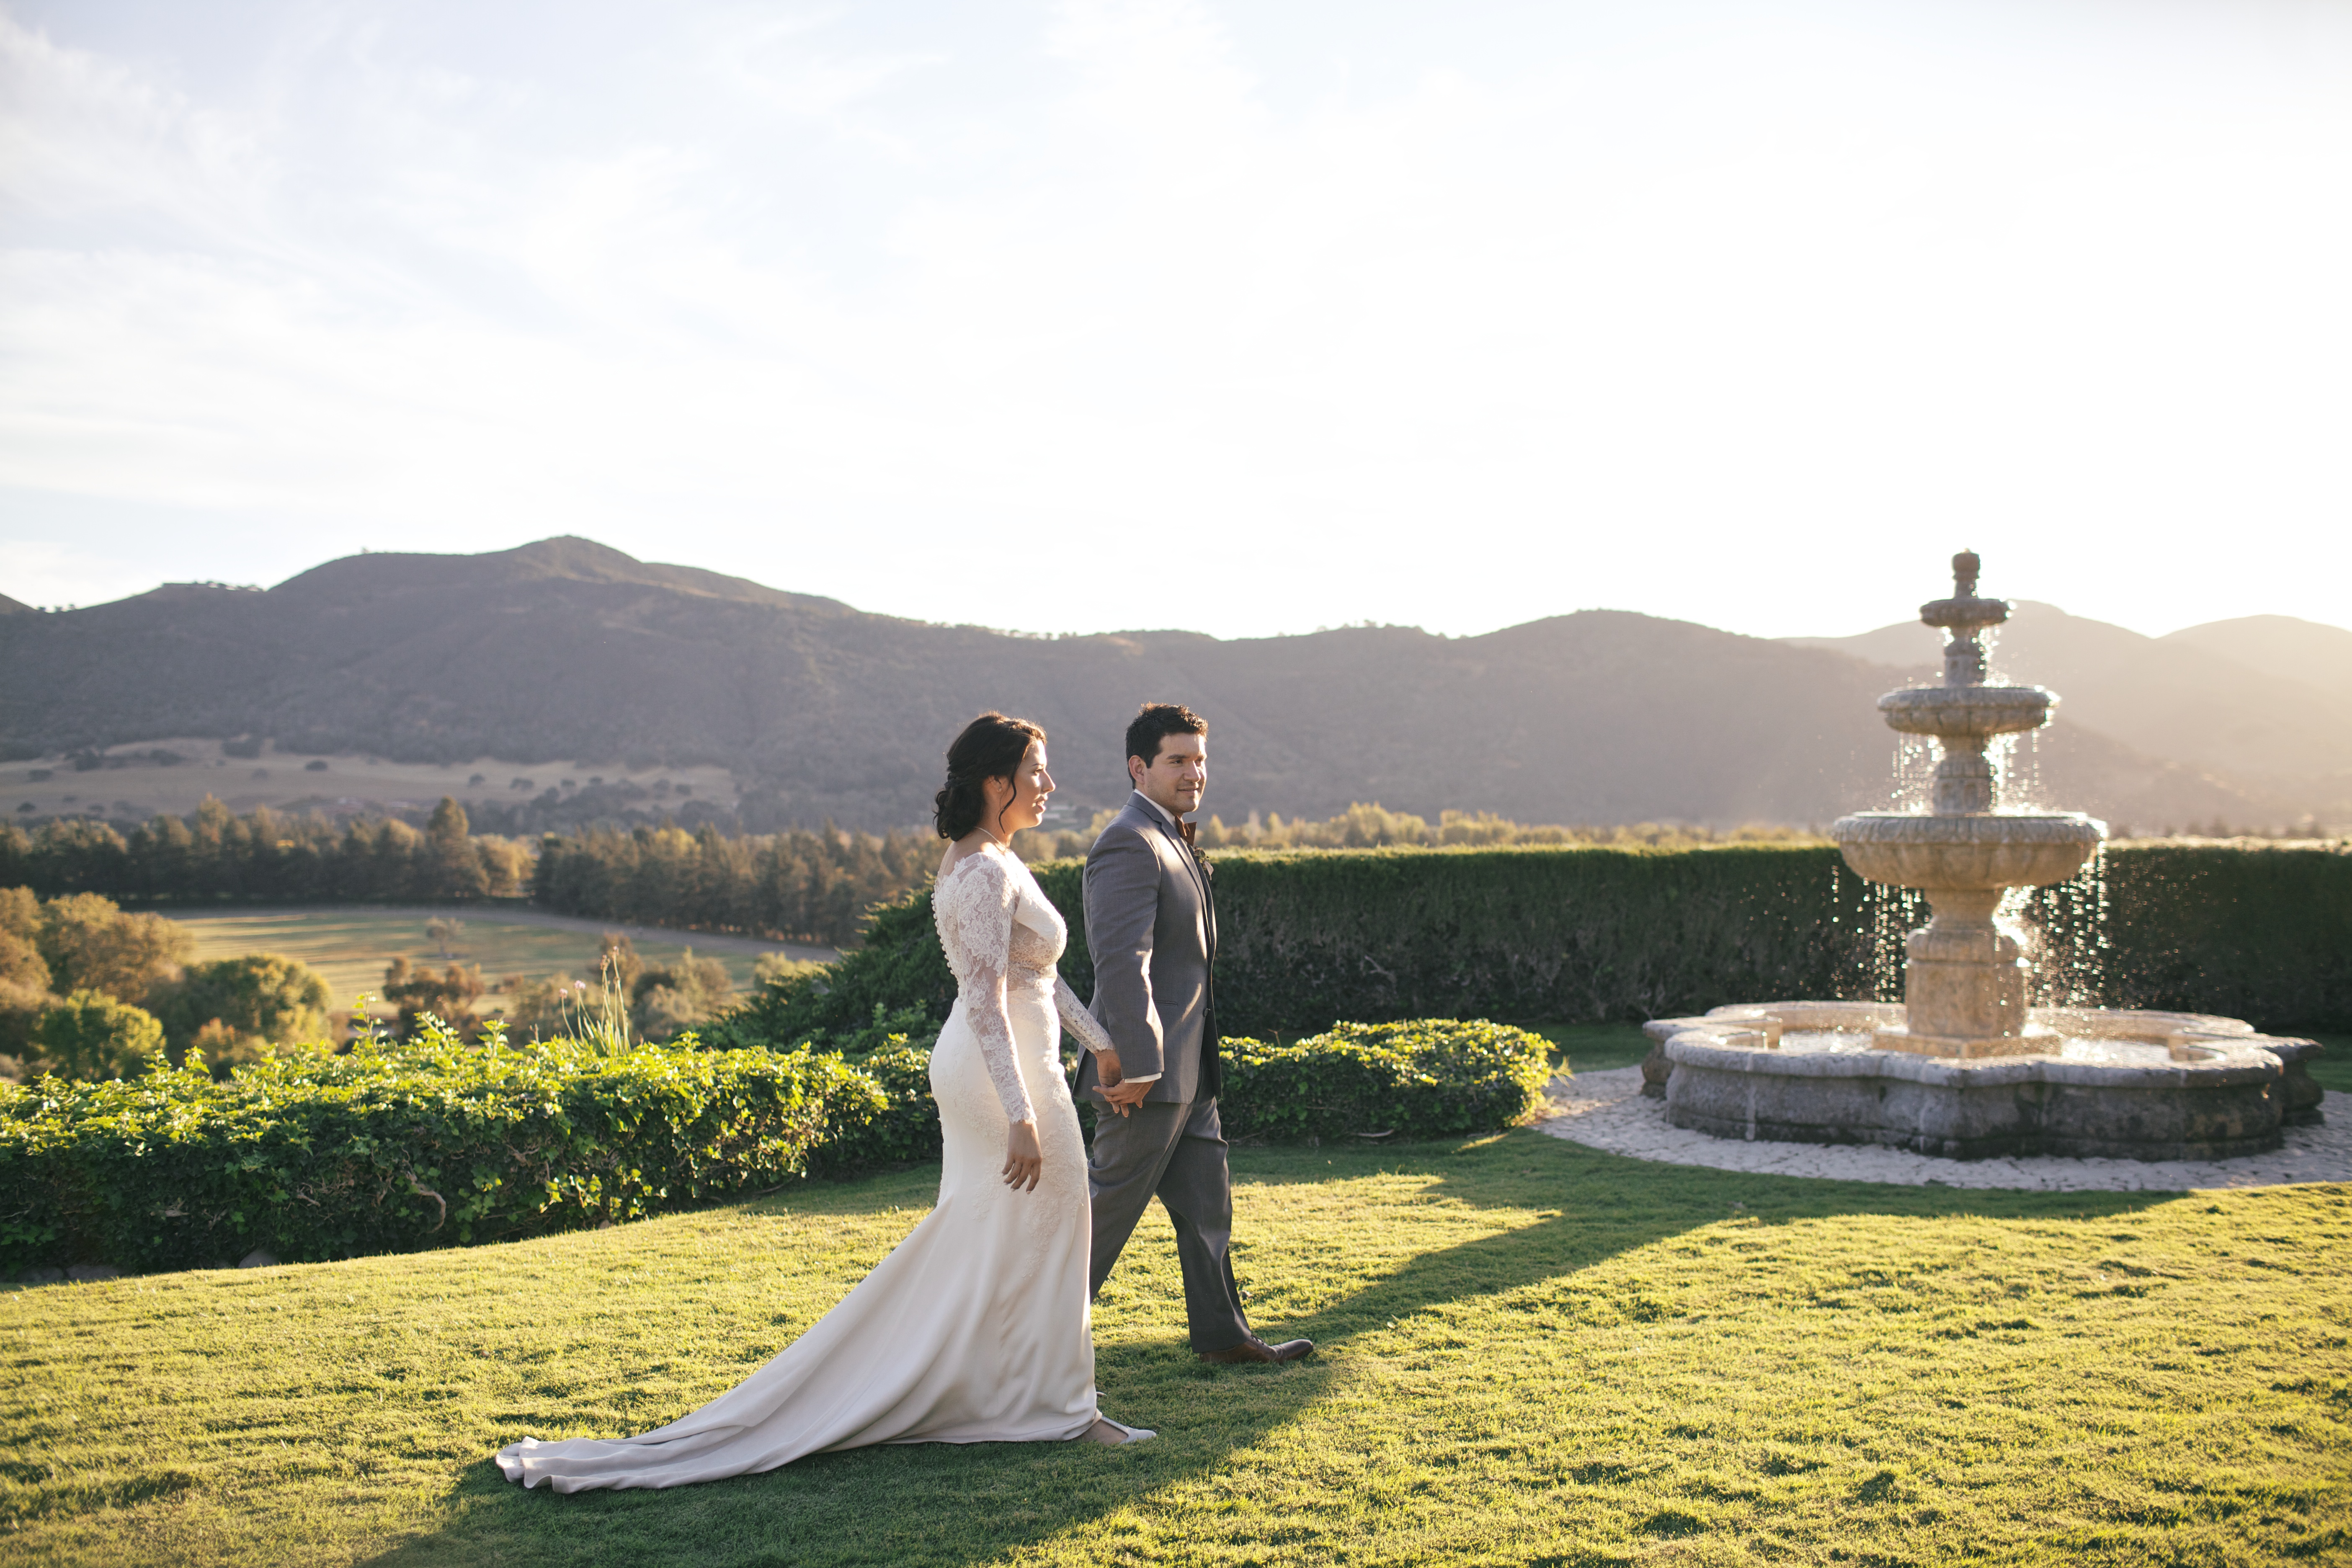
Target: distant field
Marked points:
284	781
350	946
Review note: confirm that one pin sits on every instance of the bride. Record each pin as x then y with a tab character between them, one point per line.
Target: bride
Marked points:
977	1328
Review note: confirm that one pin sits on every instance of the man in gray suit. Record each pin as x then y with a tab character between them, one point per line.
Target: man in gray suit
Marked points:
1152	925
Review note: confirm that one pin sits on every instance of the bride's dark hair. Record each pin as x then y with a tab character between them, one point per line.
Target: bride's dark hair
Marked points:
990	747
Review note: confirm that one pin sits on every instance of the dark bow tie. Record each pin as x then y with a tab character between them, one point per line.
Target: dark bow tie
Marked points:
1188	830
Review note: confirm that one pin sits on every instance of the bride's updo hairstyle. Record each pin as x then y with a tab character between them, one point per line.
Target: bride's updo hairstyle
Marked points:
990	747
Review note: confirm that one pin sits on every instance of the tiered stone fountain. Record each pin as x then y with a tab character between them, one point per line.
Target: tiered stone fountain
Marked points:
1964	1067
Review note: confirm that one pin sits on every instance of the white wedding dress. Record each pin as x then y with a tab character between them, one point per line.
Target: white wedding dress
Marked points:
976	1329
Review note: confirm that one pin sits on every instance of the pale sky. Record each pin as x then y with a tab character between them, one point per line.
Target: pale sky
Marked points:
1244	317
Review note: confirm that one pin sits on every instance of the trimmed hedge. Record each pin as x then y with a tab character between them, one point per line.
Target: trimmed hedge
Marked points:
398	1147
2262	934
1433	1077
905	1128
1606	934
391	1149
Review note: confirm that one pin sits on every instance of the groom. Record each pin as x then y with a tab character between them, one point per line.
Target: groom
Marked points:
1152	927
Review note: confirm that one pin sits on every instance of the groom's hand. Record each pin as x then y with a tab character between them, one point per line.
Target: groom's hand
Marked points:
1123	1097
1116	1091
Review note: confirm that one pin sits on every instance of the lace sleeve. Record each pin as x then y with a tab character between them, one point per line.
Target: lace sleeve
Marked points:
973	907
1077	1020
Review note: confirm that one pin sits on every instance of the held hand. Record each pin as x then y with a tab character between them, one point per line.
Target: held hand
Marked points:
1023	1160
1123	1097
1112	1079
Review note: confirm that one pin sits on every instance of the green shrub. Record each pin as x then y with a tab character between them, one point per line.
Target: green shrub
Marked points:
421	995
906	1129
1431	1078
91	1037
21	963
20	1013
897	982
241	1004
20	916
90	944
668	999
401	1146
776	966
426	1142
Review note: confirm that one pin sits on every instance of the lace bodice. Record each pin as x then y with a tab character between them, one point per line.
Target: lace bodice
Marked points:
1002	933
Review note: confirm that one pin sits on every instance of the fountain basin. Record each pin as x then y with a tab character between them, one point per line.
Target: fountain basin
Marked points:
2104	1083
1990	851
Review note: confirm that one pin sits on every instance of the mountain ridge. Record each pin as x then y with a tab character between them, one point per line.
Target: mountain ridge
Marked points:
2186	696
568	648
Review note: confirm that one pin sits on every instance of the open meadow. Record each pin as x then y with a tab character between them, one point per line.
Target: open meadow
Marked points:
350	944
1531	1352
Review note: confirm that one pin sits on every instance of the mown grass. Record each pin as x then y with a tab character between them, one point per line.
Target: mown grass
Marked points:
1594	1048
2333	1071
1532	1353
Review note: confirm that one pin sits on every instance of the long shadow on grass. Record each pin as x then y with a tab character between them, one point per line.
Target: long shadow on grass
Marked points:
947	1505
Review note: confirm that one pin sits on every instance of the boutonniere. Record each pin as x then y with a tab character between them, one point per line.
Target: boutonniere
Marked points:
1200	858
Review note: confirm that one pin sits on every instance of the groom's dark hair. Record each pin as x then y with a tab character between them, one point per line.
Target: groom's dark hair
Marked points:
1155	723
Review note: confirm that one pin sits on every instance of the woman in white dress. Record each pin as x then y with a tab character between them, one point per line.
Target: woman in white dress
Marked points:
977	1328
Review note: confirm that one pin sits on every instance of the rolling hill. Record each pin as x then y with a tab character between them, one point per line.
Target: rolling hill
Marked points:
2194	697
566	649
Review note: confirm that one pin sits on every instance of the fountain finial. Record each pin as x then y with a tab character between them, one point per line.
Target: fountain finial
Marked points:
1964	616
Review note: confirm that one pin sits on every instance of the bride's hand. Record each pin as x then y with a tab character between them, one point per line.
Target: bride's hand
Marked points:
1023	1160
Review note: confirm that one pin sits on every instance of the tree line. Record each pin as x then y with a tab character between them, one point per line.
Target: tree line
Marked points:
799	886
802	884
267	857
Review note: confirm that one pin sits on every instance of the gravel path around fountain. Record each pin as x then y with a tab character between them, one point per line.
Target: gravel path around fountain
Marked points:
1606	1111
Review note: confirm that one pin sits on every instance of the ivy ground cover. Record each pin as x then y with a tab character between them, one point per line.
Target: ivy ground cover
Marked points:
1532	1353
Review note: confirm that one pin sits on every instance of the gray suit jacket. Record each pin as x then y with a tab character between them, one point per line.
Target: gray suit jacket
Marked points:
1151	926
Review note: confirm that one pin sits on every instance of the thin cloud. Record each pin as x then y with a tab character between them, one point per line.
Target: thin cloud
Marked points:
1745	317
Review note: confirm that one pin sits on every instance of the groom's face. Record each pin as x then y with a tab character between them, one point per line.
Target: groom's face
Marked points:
1177	776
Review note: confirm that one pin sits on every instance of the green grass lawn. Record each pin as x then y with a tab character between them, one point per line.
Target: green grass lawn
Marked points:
1594	1048
1532	1353
2333	1072
350	946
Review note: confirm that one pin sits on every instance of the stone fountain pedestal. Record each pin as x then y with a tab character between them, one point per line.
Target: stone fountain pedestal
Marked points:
1964	1068
1964	978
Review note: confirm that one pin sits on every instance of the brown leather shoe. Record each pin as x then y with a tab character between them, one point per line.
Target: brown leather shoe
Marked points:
1254	1349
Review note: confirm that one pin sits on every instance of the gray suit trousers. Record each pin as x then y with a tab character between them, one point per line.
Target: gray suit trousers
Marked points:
1177	1152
